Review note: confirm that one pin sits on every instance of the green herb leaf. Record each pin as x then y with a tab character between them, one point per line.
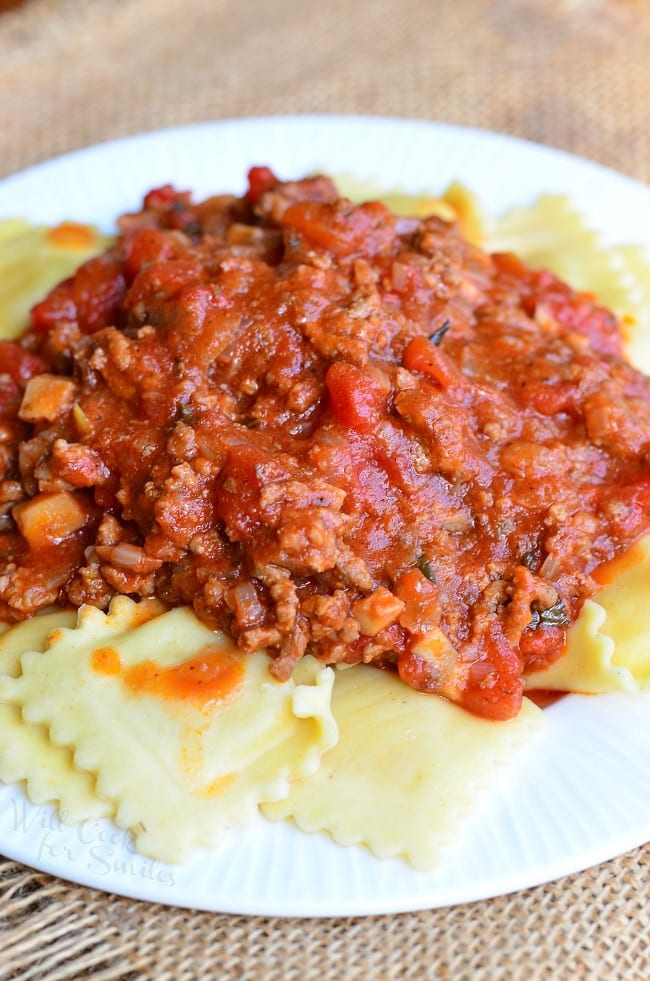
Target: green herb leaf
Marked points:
438	334
185	413
530	560
425	568
554	616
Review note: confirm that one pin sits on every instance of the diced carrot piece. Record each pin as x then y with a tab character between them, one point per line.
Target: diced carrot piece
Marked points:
46	398
49	518
71	235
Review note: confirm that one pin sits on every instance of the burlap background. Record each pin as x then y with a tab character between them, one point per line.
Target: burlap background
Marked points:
570	73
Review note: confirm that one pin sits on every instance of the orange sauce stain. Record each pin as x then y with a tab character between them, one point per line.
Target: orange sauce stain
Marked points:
106	660
616	567
70	235
212	675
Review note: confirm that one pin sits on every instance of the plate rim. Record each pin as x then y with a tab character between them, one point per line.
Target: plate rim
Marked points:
325	118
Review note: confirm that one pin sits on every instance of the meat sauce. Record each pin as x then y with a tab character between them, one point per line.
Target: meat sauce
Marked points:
329	429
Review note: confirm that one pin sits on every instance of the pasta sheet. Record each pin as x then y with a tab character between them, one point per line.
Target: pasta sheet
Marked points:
26	753
184	734
408	771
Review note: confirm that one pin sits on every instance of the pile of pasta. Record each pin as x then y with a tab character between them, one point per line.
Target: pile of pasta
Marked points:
146	717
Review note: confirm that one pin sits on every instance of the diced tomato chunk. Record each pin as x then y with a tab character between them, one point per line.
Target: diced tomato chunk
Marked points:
423	356
415	672
9	397
147	247
237	503
19	364
341	232
549	399
628	508
421	600
57	307
495	686
91	297
260	180
599	325
575	311
358	399
161	198
541	647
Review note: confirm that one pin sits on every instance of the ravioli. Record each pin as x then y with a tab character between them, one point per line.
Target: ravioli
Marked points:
184	734
26	753
408	770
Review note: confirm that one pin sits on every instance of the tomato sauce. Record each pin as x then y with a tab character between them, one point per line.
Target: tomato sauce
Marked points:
329	429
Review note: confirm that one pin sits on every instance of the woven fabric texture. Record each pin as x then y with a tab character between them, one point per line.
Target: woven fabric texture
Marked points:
589	926
569	73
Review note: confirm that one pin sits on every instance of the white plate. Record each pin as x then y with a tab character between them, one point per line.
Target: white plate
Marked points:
582	793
